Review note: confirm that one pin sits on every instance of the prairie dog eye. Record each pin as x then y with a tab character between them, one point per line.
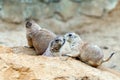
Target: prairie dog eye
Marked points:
70	35
56	40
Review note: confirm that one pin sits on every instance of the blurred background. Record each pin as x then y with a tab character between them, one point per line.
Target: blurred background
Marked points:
96	21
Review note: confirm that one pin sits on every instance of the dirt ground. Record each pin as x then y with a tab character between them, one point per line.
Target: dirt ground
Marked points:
104	32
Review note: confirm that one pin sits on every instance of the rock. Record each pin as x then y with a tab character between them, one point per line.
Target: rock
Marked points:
24	66
57	9
18	73
4	49
24	50
96	8
65	11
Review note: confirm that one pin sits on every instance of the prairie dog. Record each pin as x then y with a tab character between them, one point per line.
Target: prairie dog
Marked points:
74	43
38	37
54	47
88	53
93	55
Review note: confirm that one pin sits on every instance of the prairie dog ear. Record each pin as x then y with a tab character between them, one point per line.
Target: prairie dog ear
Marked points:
28	24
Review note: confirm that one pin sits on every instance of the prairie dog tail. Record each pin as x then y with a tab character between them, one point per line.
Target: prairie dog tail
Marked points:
108	58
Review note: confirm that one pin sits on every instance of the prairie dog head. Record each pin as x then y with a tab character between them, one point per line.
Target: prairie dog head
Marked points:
72	37
56	44
32	26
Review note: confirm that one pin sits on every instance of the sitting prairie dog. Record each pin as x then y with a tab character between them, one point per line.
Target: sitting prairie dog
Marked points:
74	42
38	37
88	53
55	47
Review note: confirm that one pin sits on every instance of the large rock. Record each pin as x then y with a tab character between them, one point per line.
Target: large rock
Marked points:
17	11
17	65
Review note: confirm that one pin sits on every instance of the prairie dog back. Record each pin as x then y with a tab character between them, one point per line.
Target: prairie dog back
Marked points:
38	37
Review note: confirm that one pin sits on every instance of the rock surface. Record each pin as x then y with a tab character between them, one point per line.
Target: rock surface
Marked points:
58	9
17	65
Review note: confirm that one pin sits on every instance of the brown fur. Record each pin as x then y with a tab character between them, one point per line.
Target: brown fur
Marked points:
55	46
92	55
38	37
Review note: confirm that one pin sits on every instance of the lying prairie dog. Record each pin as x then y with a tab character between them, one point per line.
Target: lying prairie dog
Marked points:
38	37
93	55
88	53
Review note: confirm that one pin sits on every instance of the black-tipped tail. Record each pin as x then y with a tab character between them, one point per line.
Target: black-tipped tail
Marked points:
108	58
